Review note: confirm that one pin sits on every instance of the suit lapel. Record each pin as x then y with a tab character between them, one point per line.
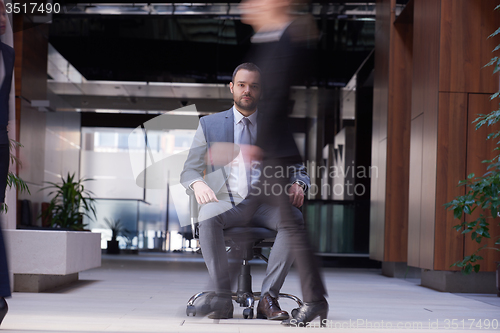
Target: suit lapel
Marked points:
229	136
229	126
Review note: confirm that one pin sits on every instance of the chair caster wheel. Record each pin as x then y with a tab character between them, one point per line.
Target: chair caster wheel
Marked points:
248	313
191	310
294	312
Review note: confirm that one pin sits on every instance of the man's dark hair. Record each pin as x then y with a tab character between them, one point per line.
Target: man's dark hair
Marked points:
248	66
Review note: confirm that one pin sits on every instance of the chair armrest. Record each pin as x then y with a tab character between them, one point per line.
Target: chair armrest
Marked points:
193	212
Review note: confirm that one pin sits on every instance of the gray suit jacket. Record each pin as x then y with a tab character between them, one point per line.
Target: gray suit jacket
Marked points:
219	127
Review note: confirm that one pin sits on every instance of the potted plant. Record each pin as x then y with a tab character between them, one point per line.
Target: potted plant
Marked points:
12	178
70	202
117	229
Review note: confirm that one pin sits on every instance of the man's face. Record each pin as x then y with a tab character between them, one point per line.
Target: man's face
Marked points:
3	18
246	89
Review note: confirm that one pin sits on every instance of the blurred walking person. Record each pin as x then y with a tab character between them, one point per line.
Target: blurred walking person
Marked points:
6	70
280	52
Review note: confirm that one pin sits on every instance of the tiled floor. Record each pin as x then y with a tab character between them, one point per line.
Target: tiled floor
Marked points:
148	293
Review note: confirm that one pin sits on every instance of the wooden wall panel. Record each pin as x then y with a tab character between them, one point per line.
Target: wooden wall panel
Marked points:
426	25
375	249
415	193
34	62
382	59
451	163
465	48
398	142
478	150
377	214
379	132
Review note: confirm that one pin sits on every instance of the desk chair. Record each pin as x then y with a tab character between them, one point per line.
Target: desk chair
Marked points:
251	241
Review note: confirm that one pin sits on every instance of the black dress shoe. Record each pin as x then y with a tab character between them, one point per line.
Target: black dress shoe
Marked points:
3	308
307	313
216	306
221	307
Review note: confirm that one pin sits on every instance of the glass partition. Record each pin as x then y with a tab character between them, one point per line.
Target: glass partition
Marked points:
111	157
338	227
126	211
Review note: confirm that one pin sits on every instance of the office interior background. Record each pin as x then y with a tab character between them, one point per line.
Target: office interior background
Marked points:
388	108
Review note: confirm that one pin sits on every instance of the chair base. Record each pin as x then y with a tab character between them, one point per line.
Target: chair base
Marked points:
250	248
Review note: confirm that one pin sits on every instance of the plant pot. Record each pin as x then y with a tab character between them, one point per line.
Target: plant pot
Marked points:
113	247
498	278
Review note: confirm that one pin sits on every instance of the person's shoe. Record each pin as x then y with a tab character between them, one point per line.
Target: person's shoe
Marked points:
221	307
307	313
269	308
3	308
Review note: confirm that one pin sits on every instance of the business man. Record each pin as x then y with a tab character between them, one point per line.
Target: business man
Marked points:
6	69
283	55
222	193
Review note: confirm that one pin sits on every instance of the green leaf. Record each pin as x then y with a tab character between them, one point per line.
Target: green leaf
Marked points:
471	176
476	268
492	61
468	269
495	33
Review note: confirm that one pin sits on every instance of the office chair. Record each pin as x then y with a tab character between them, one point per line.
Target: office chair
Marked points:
251	241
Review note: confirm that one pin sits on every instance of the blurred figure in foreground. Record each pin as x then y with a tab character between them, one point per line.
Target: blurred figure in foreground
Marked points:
222	198
281	54
6	70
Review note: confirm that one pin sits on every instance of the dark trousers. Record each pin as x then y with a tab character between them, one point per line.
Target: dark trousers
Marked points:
294	233
4	169
313	289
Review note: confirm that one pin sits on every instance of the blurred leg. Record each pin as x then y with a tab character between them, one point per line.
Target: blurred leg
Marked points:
295	234
4	272
280	259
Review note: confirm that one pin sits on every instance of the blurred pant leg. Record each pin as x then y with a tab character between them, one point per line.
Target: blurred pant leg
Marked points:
280	258
4	169
296	237
4	271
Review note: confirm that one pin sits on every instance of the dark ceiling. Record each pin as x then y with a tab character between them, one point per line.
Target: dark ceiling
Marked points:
193	48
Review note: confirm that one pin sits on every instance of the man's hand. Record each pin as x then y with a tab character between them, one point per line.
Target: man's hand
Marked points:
296	195
203	193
